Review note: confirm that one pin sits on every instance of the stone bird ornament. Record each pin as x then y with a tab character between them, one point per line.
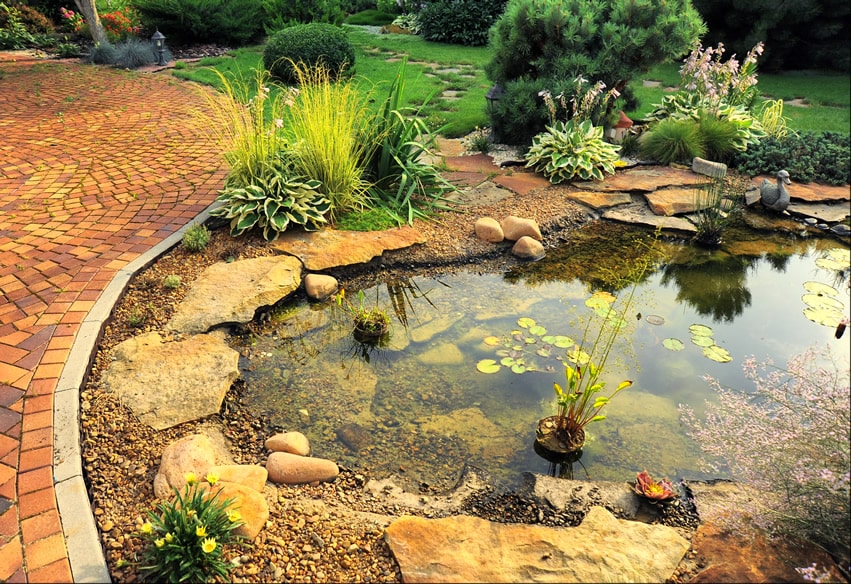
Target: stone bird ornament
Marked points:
774	195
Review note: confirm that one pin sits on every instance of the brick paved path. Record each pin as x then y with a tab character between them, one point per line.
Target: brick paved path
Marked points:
96	167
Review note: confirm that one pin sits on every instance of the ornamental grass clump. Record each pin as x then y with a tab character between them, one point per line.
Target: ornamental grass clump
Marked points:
185	541
789	438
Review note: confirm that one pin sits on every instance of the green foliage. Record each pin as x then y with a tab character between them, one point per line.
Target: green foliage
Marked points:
672	140
611	41
520	114
368	320
279	14
572	149
67	50
220	21
196	237
328	130
134	53
172	281
409	22
32	20
810	157
367	220
403	186
185	539
720	137
370	17
310	45
355	6
717	202
272	201
460	22
13	31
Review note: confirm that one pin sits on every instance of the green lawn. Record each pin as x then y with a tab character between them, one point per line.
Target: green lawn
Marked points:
447	85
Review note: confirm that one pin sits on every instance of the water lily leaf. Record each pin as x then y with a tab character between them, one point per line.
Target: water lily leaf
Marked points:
597	304
718	354
603	311
673	344
544	352
654	319
488	366
823	315
549	339
702	341
563	342
840	254
518	368
525	322
607	297
820	289
831	264
578	356
503	353
821	302
531	340
537	330
508	361
492	341
700	330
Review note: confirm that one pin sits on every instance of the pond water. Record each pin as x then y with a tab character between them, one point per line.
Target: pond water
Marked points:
414	406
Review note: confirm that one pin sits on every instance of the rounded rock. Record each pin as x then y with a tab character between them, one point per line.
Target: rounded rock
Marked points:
528	248
488	229
320	286
292	442
516	227
291	469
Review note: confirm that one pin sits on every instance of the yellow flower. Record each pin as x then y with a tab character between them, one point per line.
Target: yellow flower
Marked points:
201	531
190	478
169	537
234	516
212	478
208	545
190	513
147	528
159	542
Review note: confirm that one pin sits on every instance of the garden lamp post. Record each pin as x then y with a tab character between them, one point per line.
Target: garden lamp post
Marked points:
159	45
493	95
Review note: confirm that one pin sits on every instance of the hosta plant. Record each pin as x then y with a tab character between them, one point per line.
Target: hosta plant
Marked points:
653	490
568	150
272	202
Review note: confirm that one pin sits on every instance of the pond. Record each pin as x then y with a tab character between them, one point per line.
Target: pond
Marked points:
415	406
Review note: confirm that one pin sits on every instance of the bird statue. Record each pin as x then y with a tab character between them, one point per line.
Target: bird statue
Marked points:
775	196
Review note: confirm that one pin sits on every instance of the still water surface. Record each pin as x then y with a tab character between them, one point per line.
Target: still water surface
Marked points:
416	407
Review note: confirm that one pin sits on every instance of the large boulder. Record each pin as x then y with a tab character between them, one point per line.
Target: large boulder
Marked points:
195	454
228	293
166	384
468	549
251	504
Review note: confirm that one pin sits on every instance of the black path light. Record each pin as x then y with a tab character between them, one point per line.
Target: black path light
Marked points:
493	95
159	45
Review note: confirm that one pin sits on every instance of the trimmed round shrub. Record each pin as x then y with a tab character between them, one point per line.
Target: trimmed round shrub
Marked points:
310	44
459	22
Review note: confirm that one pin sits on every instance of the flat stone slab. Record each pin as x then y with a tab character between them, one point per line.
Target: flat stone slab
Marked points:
486	193
330	248
465	179
166	384
812	192
645	179
674	201
522	183
640	214
821	211
232	292
598	200
473	163
469	549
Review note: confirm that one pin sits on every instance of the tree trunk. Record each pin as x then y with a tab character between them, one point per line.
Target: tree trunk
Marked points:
90	12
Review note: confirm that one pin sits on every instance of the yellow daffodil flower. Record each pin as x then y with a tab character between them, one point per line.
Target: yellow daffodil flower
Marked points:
190	478
234	516
208	545
169	537
201	531
147	528
212	478
159	542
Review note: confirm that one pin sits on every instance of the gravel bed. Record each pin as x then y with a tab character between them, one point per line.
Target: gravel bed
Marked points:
329	532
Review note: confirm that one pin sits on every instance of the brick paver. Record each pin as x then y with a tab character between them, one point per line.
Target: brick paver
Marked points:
96	167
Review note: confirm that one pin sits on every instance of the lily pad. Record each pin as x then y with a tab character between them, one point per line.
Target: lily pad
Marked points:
701	341
508	361
821	302
840	254
488	366
544	352
831	264
492	341
518	368
673	344
578	356
823	315
700	330
605	296
717	354
525	322
537	330
654	319
820	289
598	304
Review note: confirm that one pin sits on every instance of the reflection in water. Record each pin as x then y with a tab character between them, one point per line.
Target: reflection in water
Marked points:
716	287
561	465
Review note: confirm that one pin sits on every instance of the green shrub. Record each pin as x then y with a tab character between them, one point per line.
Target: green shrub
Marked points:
370	17
196	237
355	6
809	157
672	140
570	150
13	32
34	21
520	114
280	14
312	45
172	281
220	21
134	53
459	22
67	50
719	135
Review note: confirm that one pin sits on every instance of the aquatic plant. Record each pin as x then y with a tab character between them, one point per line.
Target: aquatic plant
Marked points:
790	439
655	491
371	321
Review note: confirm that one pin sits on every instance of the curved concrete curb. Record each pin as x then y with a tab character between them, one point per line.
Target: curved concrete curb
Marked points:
85	552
